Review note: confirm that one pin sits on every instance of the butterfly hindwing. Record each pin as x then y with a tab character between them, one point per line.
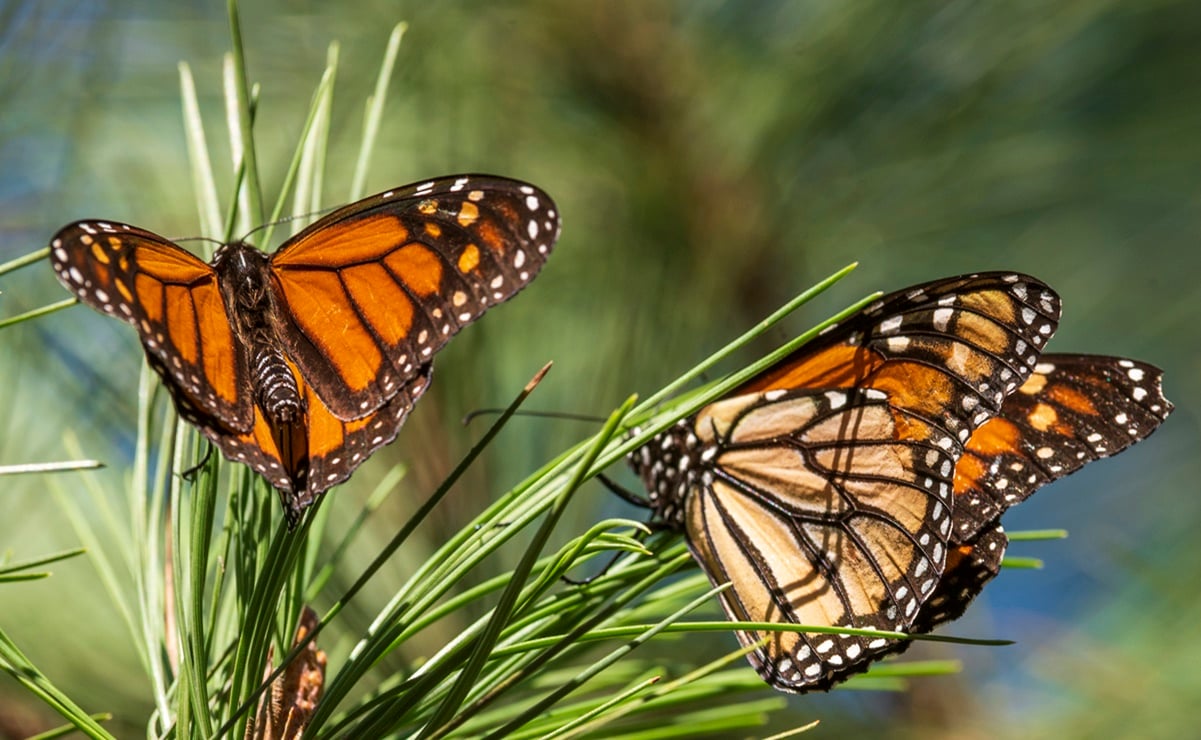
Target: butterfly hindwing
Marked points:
824	479
374	289
337	447
303	463
1072	410
969	566
173	300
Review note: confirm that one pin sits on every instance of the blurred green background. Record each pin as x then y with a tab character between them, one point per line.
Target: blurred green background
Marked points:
710	160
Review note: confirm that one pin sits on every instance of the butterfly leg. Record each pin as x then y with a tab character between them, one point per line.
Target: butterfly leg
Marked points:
622	492
190	474
634	499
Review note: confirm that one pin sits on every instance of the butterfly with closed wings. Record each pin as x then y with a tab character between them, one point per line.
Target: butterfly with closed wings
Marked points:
859	481
303	362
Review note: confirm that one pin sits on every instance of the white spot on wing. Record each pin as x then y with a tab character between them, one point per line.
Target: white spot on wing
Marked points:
890	325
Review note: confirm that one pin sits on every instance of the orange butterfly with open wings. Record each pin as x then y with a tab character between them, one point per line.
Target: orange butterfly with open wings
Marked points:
303	362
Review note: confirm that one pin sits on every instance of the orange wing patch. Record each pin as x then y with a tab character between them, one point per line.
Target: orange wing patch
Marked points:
99	253
385	306
468	213
323	311
150	296
417	267
492	236
172	298
1072	399
469	259
1042	417
838	366
355	241
221	368
181	322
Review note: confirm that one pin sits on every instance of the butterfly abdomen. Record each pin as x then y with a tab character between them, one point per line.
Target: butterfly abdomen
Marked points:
274	385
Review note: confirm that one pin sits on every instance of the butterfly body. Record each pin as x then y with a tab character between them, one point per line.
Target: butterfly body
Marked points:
243	273
253	309
669	471
303	362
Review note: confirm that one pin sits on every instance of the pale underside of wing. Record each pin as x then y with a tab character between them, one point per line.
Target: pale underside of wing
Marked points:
958	361
173	301
373	291
822	512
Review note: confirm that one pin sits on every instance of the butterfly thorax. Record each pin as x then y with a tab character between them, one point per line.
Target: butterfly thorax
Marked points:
671	465
249	303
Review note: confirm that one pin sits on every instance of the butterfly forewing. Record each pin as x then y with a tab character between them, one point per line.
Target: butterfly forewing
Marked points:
948	350
173	300
374	289
1072	410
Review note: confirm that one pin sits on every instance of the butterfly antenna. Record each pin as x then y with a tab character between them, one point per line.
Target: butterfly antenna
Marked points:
207	239
538	414
622	492
585	581
288	219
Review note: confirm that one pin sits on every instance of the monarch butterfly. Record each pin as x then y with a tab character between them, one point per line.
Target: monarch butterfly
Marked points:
304	362
859	481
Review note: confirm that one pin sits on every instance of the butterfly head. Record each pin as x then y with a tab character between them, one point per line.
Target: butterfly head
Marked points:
244	274
669	465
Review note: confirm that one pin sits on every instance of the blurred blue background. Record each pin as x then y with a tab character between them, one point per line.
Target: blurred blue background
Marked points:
710	159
